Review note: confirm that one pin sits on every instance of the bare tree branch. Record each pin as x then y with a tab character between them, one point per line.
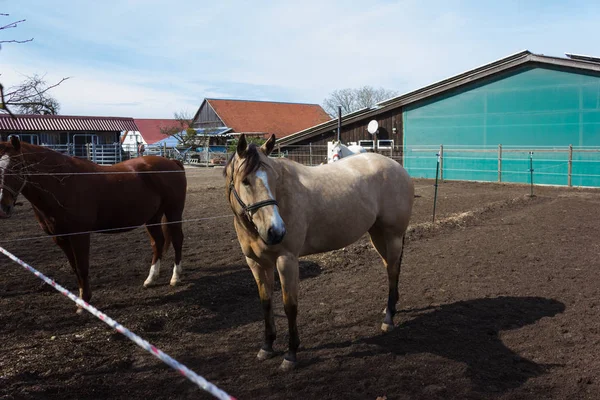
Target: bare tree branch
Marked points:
3	104
41	80
24	92
16	41
355	99
182	129
12	24
31	97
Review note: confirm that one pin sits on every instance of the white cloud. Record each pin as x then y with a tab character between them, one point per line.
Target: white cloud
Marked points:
151	58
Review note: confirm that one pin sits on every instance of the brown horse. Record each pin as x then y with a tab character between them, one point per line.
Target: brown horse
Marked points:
284	210
70	196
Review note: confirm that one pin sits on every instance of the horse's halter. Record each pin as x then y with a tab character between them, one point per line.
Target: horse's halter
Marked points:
3	186
252	207
249	209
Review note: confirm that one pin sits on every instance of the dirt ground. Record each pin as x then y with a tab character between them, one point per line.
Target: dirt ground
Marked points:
499	299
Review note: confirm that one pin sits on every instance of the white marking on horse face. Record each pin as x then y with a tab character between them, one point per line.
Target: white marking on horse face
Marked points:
154	271
4	163
276	221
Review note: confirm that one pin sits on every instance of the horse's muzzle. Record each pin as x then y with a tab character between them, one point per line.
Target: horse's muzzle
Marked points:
5	211
275	236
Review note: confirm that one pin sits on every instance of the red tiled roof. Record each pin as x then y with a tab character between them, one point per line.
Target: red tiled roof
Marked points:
45	123
150	128
282	119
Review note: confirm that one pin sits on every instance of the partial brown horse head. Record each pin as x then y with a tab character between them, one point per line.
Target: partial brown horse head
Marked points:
252	189
11	179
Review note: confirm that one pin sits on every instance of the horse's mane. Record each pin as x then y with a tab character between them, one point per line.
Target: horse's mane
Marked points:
251	161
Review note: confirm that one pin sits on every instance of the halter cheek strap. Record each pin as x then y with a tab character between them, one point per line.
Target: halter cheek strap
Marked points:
13	192
248	209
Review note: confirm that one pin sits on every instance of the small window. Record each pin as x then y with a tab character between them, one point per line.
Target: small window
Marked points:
367	144
385	144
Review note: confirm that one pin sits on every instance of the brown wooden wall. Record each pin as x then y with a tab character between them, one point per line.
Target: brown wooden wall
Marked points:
207	118
358	130
351	133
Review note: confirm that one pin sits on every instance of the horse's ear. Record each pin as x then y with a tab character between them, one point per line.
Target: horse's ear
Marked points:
242	145
269	145
16	143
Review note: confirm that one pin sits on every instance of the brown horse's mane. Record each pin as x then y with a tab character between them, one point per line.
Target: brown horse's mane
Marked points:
250	164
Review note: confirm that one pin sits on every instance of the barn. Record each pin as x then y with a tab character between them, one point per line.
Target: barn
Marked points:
149	133
230	118
496	122
94	138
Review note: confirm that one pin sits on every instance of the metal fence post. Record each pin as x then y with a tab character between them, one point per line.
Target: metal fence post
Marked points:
310	160
531	172
499	163
437	169
441	160
570	178
278	150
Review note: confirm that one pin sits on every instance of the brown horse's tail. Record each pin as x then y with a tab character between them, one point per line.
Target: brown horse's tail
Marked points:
166	233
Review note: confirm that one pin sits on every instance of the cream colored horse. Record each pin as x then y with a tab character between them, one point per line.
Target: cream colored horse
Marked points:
284	210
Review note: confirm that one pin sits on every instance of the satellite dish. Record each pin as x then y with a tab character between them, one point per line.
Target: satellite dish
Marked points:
372	127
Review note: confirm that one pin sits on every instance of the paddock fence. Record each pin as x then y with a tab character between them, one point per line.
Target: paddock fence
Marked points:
552	165
549	165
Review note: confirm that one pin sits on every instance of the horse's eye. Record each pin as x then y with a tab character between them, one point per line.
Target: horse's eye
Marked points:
246	182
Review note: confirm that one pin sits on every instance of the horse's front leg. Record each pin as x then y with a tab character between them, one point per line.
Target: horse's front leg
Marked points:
77	250
287	266
264	276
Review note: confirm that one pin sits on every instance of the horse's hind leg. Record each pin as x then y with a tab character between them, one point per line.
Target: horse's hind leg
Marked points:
287	266
175	232
390	247
157	241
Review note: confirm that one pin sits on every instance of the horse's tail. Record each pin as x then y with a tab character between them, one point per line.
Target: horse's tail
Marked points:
166	234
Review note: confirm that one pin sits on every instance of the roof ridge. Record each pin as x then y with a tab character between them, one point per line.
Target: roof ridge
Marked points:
56	116
472	75
264	101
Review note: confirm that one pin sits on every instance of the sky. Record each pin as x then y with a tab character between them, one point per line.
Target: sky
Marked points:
150	59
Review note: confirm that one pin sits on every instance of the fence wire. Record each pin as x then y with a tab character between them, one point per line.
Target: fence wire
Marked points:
156	352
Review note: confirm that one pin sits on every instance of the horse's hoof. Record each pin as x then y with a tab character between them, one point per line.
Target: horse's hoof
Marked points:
264	354
148	284
387	327
79	311
287	365
174	283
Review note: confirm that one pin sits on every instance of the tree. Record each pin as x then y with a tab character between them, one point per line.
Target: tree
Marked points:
355	99
232	144
182	129
30	96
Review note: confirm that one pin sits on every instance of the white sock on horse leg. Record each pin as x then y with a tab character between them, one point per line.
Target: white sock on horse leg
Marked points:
154	271
176	278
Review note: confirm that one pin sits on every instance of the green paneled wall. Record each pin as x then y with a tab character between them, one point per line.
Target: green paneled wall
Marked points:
533	108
